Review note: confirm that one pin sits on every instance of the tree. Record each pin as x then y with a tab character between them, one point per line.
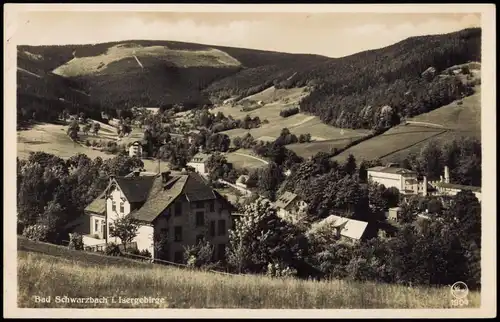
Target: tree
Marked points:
96	127
270	178
73	130
260	237
349	166
86	128
125	228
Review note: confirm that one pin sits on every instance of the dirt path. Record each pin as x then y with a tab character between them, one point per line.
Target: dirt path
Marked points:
28	72
307	119
425	123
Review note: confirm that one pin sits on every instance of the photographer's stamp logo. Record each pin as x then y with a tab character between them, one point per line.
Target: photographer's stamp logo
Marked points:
459	292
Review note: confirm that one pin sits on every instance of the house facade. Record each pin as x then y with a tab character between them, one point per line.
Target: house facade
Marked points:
135	150
175	210
390	176
199	163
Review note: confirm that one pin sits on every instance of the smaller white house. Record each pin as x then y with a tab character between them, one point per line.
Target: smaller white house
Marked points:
241	181
344	228
289	204
135	150
393	213
199	163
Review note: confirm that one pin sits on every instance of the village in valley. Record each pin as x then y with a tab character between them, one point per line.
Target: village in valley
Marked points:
143	166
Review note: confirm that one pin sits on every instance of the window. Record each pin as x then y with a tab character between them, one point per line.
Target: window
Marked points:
178	209
212	206
197	204
222	251
103	226
200	218
221	227
178	233
113	206
122	207
163	232
199	239
178	257
212	228
96	225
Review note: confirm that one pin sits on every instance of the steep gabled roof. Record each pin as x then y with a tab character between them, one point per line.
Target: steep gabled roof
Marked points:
197	188
135	189
161	196
285	199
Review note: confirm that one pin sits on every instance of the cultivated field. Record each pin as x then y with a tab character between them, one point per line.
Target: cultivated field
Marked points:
55	271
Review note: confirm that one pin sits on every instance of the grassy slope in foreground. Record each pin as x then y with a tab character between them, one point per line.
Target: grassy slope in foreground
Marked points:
45	269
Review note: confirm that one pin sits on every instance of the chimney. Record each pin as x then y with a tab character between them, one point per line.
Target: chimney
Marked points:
165	176
424	192
446	174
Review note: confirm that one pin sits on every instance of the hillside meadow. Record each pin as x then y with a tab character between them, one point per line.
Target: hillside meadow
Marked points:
459	118
49	270
52	138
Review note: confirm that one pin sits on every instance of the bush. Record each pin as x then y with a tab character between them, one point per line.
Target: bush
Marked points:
289	112
75	241
36	232
112	249
200	256
279	270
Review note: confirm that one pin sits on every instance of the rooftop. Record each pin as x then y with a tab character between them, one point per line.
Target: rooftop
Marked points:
349	227
285	200
457	186
393	170
200	158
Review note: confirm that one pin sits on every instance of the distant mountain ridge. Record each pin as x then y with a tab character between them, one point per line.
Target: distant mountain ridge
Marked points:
351	92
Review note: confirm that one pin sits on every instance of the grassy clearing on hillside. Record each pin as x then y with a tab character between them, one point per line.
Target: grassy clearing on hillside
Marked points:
463	117
245	159
397	138
52	138
45	275
393	146
306	150
271	94
300	123
181	58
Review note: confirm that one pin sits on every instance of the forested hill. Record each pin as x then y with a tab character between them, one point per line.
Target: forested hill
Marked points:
371	89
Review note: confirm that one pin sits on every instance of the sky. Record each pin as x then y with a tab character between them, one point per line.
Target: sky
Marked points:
330	34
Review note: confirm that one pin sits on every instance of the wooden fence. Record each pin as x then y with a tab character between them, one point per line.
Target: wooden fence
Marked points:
168	263
102	247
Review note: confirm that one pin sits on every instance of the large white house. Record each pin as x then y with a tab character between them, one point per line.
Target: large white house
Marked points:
390	176
174	210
